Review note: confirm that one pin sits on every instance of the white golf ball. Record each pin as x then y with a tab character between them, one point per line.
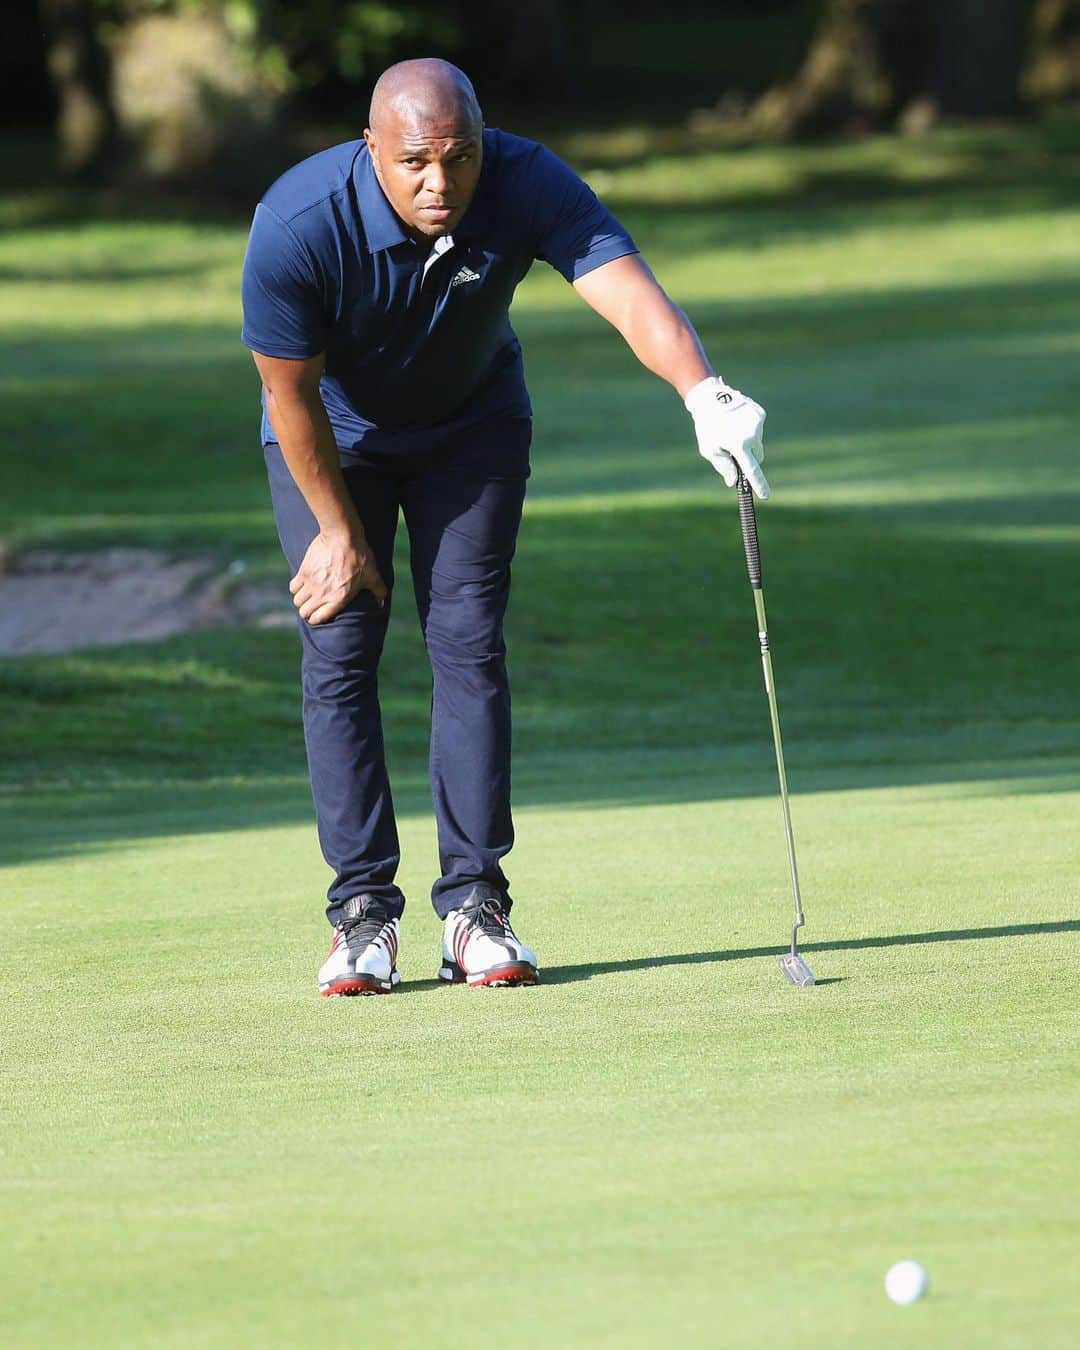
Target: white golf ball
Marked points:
906	1282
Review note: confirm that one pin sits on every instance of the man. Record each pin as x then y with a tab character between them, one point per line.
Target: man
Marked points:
376	287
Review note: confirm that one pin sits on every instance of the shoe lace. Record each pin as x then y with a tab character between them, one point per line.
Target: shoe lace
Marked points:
487	917
364	928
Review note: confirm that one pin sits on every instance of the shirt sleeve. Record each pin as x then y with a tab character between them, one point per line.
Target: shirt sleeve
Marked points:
281	299
575	231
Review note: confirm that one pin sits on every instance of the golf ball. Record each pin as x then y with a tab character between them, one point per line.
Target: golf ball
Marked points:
906	1282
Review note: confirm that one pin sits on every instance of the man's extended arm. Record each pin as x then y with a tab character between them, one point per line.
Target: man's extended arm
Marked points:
659	334
728	424
338	563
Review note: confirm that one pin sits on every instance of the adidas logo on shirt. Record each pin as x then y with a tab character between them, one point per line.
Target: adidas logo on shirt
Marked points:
465	274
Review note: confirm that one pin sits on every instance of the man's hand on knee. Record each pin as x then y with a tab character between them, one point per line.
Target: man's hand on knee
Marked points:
336	567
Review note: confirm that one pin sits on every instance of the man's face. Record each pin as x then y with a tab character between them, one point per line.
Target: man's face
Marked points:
428	167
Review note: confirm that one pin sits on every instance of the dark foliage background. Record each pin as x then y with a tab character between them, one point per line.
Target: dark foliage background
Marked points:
216	94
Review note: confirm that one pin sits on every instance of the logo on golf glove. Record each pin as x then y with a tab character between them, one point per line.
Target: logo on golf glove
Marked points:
729	432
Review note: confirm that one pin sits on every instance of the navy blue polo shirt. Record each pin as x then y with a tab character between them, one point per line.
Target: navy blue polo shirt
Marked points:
415	338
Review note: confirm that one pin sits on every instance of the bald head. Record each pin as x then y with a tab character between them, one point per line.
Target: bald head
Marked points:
426	143
426	90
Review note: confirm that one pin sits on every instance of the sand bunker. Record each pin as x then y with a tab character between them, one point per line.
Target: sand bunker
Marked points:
58	602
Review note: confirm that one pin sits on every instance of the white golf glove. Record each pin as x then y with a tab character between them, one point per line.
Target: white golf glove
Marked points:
728	426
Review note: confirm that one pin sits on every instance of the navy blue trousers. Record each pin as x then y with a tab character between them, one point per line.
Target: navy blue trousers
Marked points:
461	499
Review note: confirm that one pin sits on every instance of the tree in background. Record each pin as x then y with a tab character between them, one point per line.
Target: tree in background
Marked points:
1053	72
203	90
78	66
876	63
183	90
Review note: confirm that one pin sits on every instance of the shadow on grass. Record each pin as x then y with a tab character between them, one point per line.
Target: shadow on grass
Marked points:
105	273
904	655
550	975
974	167
958	158
888	676
965	378
1015	312
57	823
60	823
570	974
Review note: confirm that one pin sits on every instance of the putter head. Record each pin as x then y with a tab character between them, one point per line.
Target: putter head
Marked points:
795	969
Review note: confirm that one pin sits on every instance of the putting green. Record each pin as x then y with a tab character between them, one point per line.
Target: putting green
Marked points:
663	1136
664	1141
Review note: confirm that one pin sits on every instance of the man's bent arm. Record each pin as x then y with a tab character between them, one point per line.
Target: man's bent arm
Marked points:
656	330
295	409
338	563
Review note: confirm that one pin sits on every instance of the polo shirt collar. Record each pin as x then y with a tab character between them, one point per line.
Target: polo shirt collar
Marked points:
382	227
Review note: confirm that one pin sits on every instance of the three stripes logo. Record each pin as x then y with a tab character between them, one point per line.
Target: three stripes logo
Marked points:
464	274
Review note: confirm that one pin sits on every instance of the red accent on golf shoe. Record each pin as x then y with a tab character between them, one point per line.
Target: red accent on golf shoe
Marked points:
346	979
481	949
357	984
517	972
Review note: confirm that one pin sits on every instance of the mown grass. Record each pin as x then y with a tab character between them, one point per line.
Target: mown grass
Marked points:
663	1139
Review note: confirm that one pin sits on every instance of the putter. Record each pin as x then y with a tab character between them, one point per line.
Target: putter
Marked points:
795	969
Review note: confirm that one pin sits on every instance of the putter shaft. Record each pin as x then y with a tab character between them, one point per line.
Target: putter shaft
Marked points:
794	967
766	667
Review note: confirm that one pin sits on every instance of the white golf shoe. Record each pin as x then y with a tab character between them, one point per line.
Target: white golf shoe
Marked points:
480	948
363	954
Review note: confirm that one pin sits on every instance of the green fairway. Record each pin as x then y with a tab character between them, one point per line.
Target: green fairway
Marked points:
663	1141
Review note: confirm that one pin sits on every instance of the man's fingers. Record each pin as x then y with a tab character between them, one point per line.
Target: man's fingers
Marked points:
318	600
755	474
757	444
321	613
318	609
724	466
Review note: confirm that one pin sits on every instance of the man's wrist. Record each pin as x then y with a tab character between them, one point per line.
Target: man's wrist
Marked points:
703	394
685	386
343	530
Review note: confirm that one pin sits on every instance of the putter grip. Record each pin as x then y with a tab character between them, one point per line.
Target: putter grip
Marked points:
749	531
